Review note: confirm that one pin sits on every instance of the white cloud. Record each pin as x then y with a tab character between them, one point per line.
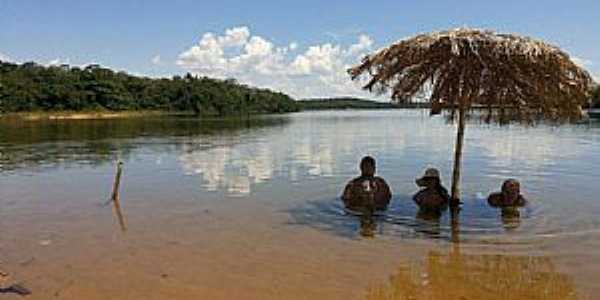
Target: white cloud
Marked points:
237	36
318	71
4	57
57	62
364	43
156	60
321	59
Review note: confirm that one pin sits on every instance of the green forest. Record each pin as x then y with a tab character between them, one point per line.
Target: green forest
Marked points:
32	87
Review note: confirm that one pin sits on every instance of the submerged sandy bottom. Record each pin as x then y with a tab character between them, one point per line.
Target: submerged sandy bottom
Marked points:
236	249
208	255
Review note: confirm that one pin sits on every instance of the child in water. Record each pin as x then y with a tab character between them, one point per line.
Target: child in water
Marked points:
367	192
509	196
433	197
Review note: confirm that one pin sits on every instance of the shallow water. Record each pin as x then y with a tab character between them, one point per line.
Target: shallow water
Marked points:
248	209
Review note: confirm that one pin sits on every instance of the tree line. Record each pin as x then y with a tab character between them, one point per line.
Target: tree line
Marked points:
33	87
353	103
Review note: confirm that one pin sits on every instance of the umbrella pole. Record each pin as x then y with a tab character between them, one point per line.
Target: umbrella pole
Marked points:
460	136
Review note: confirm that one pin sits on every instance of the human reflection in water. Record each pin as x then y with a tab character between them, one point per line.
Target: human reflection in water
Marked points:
368	225
511	218
429	222
476	276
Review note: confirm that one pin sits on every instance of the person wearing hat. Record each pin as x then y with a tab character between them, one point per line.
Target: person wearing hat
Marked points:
367	192
509	196
433	196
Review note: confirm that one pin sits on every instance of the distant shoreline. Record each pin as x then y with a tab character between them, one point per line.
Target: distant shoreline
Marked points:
305	105
354	103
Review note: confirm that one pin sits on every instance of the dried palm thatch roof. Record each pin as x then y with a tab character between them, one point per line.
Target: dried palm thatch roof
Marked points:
510	75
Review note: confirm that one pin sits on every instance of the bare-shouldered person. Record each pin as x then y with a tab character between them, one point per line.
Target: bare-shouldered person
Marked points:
509	196
367	189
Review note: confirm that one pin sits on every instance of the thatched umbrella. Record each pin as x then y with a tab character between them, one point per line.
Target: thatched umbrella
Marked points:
512	78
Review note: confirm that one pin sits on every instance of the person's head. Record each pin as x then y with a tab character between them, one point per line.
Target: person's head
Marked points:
431	178
367	166
511	189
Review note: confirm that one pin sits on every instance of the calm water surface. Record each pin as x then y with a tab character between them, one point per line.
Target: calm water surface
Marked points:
226	209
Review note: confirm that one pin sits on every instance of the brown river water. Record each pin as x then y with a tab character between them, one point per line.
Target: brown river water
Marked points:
249	209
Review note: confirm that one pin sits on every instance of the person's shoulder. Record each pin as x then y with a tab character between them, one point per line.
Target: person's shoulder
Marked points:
380	180
350	189
430	199
354	183
495	199
418	196
382	183
444	189
444	193
354	180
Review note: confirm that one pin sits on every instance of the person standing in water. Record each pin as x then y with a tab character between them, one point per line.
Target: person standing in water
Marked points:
433	197
509	196
509	199
367	192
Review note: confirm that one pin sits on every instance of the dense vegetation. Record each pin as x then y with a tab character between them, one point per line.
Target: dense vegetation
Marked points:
32	87
351	103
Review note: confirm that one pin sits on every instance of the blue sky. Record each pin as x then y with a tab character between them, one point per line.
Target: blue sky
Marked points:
300	47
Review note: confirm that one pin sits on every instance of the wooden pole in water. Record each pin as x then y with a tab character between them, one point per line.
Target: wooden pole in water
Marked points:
248	106
460	136
454	226
115	196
